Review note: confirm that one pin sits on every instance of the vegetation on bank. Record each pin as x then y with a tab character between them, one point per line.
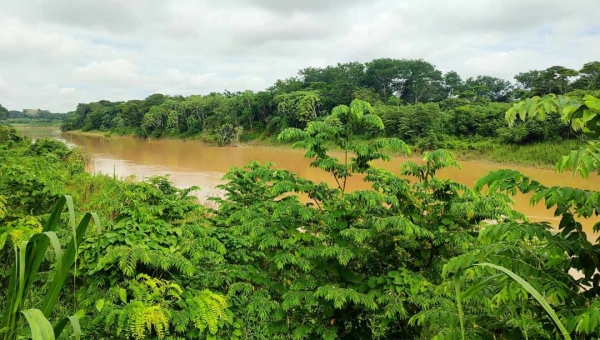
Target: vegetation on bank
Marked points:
407	259
417	103
30	117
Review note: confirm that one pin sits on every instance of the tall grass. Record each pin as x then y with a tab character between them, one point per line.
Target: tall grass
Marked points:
545	154
29	257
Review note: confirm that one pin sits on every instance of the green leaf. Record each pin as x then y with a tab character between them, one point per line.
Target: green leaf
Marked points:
40	327
68	259
58	252
74	321
99	305
536	295
123	295
592	102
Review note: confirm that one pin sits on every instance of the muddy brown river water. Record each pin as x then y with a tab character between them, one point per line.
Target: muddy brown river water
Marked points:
193	163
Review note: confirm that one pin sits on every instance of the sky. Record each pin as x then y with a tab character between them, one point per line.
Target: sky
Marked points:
55	54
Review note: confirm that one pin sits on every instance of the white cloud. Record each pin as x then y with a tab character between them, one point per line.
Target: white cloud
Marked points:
501	64
186	83
118	73
4	86
111	49
67	91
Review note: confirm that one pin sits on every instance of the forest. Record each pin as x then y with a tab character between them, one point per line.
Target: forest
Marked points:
283	257
30	117
421	105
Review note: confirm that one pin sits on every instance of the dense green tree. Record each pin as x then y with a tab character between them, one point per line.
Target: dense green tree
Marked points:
526	82
420	81
555	79
489	88
152	100
467	108
287	85
3	112
132	114
453	84
298	108
589	77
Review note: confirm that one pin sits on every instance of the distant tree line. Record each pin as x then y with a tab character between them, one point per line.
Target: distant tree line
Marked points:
418	103
26	115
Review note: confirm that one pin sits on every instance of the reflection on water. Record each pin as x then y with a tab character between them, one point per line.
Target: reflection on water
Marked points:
193	163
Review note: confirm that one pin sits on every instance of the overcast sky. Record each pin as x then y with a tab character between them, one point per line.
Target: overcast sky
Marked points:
57	53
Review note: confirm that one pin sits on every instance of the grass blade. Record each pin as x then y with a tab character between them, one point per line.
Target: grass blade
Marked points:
536	295
98	233
41	329
22	250
58	252
461	314
37	248
68	259
74	321
71	208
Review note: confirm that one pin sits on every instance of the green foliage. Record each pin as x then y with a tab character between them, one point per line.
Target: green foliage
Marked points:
413	257
153	307
540	261
579	115
343	265
153	233
29	257
417	103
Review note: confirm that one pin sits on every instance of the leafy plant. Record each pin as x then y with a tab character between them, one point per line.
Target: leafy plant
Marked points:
343	264
29	257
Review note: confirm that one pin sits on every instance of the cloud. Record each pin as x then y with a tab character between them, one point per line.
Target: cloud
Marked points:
187	83
22	41
4	86
113	74
110	49
67	91
302	6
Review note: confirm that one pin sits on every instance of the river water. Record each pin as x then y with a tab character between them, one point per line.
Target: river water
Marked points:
193	163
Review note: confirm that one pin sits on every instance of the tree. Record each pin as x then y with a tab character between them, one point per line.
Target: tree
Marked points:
589	77
423	82
132	114
287	85
3	112
555	79
409	80
486	303
526	82
344	265
152	100
380	75
489	88
453	84
299	107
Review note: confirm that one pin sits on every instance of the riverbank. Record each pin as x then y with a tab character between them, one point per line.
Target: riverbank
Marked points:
536	155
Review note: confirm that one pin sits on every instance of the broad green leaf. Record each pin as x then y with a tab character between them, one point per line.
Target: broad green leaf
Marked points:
588	115
99	305
592	102
74	321
58	252
40	327
123	295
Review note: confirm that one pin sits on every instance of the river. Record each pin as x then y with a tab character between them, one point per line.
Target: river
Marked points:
193	163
